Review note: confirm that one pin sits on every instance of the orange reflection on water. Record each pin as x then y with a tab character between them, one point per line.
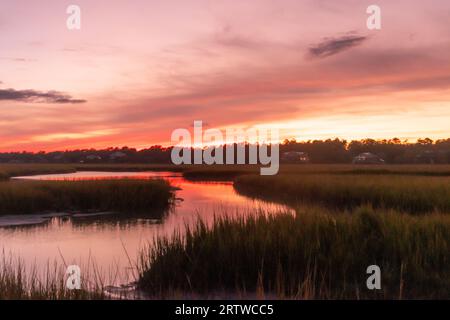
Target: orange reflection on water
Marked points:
108	240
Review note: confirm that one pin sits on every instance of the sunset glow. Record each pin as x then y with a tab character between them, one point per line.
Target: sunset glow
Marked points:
137	70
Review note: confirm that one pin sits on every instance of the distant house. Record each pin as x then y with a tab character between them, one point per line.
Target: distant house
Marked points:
117	155
368	158
58	157
93	158
295	157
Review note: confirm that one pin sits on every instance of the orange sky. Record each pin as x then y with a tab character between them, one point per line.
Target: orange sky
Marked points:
137	70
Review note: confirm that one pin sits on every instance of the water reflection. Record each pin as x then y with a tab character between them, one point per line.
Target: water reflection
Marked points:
110	239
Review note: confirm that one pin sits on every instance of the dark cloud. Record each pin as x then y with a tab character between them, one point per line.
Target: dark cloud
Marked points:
333	46
33	96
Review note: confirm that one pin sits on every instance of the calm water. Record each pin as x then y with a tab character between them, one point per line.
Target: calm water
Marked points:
109	241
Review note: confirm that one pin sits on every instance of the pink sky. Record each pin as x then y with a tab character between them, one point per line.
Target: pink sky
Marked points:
137	70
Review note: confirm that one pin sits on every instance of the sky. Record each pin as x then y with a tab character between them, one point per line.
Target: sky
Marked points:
139	69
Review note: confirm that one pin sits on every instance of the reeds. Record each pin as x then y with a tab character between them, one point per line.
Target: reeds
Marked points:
316	254
412	194
120	195
19	283
10	170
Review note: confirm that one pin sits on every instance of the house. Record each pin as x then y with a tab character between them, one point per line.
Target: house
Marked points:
93	158
295	157
117	155
367	158
58	157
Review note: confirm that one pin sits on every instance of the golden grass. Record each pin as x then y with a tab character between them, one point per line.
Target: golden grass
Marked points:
26	197
316	254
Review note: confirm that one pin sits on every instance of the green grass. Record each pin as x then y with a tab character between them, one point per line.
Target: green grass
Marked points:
26	197
412	194
316	254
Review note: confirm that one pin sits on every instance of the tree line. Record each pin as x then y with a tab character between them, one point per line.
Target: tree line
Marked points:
393	151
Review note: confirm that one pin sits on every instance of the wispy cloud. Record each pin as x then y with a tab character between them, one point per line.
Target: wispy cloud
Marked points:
329	47
253	62
33	96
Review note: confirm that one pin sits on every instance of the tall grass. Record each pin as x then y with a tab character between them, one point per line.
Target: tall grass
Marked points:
314	255
217	172
17	283
230	172
129	167
10	170
24	197
413	194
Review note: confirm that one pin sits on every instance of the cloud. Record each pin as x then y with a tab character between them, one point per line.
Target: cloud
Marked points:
33	96
290	89
333	46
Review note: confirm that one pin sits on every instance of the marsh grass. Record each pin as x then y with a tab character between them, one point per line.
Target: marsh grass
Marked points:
412	194
10	170
316	254
348	217
129	167
121	195
19	283
230	172
219	173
